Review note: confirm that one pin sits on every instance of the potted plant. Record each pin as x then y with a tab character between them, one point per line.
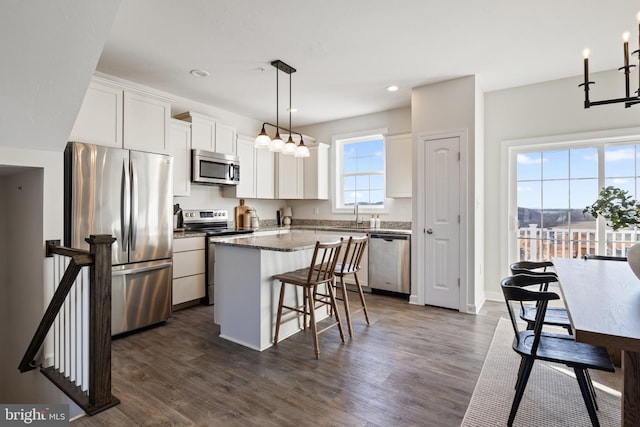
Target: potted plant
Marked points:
620	210
616	206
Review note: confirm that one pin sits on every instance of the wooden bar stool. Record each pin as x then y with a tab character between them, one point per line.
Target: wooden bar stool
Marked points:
320	271
351	264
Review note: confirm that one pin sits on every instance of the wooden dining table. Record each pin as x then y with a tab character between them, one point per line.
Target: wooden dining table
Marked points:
603	302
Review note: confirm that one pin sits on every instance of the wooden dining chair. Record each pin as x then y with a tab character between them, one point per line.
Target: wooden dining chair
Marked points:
351	265
534	344
320	272
532	267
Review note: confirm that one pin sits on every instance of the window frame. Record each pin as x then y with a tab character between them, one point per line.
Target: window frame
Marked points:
338	144
511	148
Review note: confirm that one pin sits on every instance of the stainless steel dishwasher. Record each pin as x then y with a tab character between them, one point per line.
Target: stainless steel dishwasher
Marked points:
390	262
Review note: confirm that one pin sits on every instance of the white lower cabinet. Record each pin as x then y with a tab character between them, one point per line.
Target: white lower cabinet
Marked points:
188	269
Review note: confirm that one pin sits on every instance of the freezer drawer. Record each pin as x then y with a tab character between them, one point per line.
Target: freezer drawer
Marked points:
141	295
389	262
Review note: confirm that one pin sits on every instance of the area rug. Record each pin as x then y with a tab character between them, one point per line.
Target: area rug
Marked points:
552	396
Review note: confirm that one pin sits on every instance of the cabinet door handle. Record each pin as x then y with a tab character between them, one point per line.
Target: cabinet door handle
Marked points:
429	231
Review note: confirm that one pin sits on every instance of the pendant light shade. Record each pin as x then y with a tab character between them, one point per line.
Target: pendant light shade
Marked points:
290	147
277	144
262	140
302	150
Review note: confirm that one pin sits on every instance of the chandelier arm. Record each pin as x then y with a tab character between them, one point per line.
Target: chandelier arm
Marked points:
277	127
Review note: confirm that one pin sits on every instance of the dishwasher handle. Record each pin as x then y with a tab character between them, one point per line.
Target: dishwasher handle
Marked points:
389	237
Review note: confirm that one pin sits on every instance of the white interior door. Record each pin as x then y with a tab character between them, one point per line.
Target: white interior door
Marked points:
442	251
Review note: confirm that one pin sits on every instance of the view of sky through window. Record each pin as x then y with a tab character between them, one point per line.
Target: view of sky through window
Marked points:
363	172
568	179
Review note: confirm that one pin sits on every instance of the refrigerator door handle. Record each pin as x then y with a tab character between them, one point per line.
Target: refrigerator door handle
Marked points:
142	269
134	205
125	207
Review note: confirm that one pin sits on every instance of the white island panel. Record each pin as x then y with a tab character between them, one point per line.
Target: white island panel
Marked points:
247	297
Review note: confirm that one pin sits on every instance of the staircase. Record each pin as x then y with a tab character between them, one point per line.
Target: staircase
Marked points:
79	317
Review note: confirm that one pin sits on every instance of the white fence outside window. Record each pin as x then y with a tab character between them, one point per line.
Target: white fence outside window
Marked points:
543	244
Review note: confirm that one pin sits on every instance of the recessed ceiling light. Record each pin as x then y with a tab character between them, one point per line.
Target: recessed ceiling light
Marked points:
392	88
199	73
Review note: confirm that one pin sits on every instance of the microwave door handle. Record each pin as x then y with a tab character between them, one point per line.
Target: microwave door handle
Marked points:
125	207
231	172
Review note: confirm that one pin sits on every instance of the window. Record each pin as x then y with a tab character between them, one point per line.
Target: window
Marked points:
553	187
360	172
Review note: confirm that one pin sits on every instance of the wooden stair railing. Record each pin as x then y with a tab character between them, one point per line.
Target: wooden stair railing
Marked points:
98	396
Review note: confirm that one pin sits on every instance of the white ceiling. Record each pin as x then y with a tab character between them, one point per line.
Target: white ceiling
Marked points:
347	51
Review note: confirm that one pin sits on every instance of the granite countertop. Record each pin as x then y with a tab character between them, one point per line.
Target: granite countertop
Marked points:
334	229
352	229
184	234
285	240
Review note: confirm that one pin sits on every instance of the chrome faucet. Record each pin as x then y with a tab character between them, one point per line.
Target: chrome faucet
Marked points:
358	219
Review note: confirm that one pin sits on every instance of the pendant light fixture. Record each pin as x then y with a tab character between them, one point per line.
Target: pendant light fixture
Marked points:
628	98
277	144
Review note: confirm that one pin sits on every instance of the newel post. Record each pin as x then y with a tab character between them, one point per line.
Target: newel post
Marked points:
100	320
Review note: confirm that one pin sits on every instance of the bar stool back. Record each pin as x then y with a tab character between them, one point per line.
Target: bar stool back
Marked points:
319	272
352	264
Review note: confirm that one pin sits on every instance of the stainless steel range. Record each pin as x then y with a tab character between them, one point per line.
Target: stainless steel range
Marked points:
215	223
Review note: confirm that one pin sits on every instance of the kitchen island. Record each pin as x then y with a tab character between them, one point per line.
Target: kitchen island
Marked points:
246	296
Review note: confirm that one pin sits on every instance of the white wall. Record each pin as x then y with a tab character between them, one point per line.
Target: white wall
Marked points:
396	121
4	286
449	107
540	110
49	51
33	214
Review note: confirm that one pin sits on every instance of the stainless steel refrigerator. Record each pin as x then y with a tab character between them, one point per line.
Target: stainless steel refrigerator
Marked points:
127	194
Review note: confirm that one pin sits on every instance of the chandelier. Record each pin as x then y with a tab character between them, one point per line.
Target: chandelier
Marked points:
626	68
277	144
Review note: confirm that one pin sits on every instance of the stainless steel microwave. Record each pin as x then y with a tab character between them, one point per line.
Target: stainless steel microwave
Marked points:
214	168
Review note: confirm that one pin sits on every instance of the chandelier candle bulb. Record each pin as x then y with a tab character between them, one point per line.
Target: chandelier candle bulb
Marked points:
628	100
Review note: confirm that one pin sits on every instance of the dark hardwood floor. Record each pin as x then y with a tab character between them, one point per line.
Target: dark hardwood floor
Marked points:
414	366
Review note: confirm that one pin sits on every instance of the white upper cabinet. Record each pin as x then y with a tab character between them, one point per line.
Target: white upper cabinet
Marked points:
99	120
146	123
246	189
119	117
289	177
209	135
256	172
398	165
265	174
180	150
316	173
225	139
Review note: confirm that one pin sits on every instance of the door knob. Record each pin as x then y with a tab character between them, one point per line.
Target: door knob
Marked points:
429	231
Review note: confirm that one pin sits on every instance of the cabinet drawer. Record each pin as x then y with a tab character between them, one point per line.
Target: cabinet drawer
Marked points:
188	244
188	288
188	263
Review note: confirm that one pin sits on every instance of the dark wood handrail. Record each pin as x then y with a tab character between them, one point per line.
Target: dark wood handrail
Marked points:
70	274
79	256
98	258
